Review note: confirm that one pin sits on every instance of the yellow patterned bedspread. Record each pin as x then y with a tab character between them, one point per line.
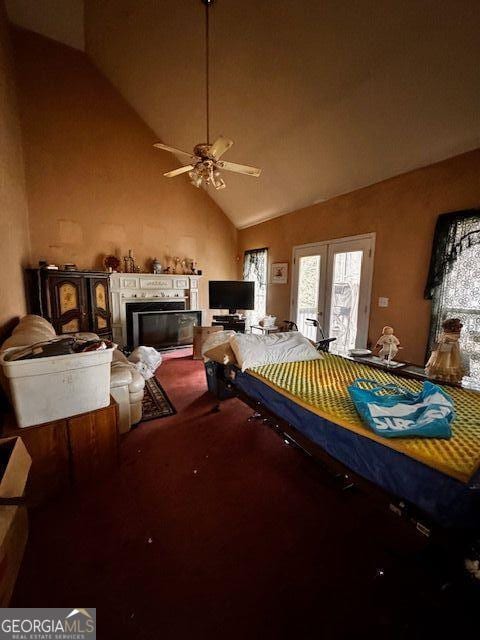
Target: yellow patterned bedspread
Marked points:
321	387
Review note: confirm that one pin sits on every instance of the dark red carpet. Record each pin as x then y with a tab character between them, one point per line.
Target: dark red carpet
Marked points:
214	528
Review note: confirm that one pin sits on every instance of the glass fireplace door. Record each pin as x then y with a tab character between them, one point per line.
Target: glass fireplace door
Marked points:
165	329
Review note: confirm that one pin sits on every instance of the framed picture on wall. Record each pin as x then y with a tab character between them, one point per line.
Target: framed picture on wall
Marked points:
279	273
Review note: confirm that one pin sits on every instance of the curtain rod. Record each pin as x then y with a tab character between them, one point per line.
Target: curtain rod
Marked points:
255	250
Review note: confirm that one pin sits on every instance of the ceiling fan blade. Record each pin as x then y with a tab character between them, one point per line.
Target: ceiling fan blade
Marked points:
177	172
219	147
177	152
239	168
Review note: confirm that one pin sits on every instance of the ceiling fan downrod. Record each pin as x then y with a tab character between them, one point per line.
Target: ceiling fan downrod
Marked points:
208	4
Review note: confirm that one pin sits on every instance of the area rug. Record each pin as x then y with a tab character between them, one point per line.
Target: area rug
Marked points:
155	403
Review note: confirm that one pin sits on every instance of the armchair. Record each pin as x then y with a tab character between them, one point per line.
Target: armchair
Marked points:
126	383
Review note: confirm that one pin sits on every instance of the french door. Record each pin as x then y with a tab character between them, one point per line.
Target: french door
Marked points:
331	290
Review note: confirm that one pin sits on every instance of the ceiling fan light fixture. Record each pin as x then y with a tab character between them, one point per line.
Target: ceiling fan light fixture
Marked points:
217	181
195	178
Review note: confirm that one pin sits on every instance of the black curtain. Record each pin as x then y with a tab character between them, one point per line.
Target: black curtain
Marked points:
255	268
454	232
255	260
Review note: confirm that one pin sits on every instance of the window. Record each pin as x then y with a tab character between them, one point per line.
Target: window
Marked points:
454	284
255	269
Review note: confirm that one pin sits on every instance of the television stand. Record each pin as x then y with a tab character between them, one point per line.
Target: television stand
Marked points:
231	317
230	322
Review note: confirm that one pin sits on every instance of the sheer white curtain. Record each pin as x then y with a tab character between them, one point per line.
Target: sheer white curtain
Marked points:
459	297
255	269
454	284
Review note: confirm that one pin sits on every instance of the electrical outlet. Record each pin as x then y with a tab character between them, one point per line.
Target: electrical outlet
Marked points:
383	302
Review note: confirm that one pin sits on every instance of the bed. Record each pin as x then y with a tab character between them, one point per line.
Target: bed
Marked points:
440	477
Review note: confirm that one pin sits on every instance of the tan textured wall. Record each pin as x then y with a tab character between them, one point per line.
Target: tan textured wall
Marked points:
402	211
95	183
14	245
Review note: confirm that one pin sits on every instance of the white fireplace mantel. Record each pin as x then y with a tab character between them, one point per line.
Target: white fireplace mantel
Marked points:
142	287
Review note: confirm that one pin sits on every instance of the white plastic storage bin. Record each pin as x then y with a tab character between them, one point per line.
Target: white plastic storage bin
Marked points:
46	389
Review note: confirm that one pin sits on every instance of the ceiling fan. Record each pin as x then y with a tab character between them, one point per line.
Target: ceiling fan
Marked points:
204	163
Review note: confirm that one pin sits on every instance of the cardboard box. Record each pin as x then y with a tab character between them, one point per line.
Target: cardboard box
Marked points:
200	334
15	463
13	538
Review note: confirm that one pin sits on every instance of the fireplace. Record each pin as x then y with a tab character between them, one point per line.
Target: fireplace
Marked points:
175	292
163	325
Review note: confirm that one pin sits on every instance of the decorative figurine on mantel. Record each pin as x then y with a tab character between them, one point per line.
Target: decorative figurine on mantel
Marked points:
445	362
111	263
388	344
156	266
129	262
168	265
178	268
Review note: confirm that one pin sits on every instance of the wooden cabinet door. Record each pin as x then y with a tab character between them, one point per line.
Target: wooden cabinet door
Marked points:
99	305
50	472
93	439
68	301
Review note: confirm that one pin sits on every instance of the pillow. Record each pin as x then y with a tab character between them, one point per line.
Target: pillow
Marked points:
253	350
222	353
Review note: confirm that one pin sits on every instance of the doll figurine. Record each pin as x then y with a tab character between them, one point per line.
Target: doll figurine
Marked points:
178	268
445	362
388	344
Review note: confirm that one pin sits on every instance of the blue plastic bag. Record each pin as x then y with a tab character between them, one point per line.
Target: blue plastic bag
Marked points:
394	412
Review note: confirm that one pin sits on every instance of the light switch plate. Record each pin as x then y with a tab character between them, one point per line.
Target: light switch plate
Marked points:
383	302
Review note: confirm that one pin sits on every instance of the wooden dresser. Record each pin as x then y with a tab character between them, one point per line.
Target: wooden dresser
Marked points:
68	454
72	301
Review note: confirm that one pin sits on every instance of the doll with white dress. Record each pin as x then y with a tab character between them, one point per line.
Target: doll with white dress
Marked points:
445	362
388	344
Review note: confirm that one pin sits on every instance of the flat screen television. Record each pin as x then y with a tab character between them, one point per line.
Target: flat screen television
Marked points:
231	295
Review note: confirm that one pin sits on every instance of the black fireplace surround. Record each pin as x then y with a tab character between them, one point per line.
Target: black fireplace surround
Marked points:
162	324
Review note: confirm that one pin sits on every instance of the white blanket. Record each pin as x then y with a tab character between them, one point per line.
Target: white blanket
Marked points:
146	361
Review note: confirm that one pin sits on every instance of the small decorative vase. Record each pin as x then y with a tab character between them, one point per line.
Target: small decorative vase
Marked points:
157	267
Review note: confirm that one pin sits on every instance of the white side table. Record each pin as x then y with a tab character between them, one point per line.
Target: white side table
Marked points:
264	330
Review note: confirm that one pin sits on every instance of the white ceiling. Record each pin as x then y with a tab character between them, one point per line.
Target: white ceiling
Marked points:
325	96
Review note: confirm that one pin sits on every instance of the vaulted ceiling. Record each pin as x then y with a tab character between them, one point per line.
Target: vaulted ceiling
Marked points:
325	96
